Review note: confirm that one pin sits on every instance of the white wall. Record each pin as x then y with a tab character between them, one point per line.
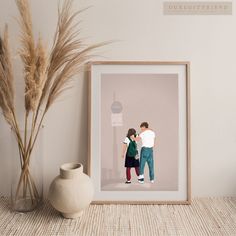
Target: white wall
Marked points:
209	42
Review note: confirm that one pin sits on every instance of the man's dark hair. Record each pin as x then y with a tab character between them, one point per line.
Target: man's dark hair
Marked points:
144	124
131	132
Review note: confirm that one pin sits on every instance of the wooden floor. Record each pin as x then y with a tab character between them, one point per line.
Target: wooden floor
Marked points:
206	216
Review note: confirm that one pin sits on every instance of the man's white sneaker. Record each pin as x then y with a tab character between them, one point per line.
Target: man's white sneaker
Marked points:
141	180
152	181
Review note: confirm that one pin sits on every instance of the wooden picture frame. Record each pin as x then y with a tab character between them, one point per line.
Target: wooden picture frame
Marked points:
165	82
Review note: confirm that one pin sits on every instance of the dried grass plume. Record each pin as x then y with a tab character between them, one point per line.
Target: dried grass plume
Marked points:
46	75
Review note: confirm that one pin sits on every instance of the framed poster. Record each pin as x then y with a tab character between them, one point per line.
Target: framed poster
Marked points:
139	124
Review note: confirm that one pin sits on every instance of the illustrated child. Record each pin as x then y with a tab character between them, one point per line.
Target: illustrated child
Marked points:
130	151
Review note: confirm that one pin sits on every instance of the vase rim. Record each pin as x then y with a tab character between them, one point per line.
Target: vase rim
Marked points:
70	170
70	166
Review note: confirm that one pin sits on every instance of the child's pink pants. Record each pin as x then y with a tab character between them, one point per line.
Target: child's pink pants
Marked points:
128	172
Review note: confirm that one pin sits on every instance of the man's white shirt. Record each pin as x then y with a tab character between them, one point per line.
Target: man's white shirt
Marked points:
148	138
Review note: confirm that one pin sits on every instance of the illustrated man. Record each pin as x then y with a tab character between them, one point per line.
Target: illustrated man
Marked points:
147	137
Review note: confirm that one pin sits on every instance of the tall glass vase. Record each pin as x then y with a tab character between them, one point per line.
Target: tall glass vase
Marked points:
27	172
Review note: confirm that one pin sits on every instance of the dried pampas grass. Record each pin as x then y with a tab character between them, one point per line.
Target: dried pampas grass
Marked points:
46	75
6	79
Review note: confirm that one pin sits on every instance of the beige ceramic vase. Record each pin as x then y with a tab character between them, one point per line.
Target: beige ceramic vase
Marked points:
72	191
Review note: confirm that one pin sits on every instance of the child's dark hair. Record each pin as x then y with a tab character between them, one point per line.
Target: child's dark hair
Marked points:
131	132
144	124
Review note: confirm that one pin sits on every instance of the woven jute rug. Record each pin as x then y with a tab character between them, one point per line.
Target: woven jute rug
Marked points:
205	216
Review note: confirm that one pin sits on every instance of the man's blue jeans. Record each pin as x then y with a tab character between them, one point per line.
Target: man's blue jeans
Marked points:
147	156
